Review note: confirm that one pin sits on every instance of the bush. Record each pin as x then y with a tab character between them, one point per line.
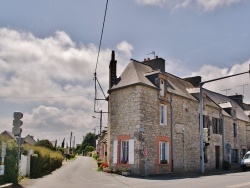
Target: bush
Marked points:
35	167
10	162
44	162
95	156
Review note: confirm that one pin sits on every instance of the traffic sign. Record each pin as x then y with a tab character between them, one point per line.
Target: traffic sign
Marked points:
146	152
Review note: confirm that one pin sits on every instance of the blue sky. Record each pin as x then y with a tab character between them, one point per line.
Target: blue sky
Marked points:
48	52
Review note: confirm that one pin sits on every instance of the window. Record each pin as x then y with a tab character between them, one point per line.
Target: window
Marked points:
164	152
163	114
217	126
162	87
124	151
234	156
235	127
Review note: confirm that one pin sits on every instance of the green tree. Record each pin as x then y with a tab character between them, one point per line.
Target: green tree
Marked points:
89	140
45	143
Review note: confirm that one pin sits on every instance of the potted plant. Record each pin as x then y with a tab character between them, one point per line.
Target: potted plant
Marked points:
99	162
125	172
164	161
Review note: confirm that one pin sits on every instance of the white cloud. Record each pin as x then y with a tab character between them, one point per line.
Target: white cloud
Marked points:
234	84
125	48
51	81
210	5
206	5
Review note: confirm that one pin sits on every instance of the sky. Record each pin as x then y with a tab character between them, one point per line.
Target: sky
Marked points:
48	54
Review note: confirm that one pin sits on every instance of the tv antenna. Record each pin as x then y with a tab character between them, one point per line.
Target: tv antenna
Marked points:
226	90
153	52
243	88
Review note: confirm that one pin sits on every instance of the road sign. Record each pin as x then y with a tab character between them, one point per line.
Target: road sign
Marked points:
146	152
3	152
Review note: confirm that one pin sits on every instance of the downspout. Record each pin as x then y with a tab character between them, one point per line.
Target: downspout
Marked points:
223	137
172	128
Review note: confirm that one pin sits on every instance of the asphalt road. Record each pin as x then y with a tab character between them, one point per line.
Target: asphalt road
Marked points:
82	172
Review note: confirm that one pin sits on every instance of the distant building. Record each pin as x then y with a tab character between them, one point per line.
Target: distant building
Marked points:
28	140
8	135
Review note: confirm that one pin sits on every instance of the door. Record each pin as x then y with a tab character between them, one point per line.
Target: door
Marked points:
217	157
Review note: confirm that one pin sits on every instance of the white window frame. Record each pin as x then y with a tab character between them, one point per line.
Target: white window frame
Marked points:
163	151
163	114
128	150
162	88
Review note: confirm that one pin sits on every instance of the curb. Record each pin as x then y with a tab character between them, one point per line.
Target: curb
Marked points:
8	185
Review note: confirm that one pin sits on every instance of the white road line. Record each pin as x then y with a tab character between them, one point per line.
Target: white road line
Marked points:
239	185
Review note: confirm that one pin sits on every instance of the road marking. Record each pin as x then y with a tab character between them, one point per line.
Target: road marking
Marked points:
239	185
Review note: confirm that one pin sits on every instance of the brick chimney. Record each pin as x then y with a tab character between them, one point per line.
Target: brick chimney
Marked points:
238	99
195	81
155	64
112	70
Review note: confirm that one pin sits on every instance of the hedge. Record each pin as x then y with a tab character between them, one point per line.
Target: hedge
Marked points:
44	160
10	162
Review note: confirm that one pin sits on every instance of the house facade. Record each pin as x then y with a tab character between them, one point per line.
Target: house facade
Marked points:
154	122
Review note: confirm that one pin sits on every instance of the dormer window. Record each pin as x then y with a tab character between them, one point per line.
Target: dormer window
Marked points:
162	89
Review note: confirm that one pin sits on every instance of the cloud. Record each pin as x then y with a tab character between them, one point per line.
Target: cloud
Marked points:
206	5
51	81
210	5
233	85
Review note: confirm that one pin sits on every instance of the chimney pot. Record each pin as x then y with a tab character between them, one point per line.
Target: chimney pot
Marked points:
156	57
148	59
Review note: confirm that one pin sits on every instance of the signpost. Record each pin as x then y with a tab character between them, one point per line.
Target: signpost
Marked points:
3	154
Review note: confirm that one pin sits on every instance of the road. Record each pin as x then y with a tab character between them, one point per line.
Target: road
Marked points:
82	172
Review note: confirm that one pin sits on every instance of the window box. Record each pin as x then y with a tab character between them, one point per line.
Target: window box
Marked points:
164	161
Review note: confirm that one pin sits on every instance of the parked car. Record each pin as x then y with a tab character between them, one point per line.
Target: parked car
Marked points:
245	162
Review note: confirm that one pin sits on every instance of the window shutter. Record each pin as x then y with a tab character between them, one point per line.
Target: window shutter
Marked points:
131	150
115	144
160	148
165	114
167	151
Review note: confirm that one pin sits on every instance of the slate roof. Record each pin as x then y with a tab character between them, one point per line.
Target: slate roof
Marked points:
219	98
134	73
179	86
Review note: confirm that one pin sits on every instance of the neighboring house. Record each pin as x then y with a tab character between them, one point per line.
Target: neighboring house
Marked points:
153	123
8	135
28	140
101	145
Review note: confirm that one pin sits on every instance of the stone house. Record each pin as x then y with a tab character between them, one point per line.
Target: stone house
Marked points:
28	140
153	123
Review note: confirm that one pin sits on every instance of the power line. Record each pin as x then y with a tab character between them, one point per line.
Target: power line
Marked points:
97	60
100	43
40	97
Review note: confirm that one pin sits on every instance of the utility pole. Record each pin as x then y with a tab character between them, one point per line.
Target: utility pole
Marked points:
201	116
70	142
101	123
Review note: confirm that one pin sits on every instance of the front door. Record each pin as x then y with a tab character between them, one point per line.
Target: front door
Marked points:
217	157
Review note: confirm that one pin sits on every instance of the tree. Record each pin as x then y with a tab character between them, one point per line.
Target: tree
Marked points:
89	149
45	143
89	140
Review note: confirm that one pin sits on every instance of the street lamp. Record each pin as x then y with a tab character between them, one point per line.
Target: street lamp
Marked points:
100	120
201	116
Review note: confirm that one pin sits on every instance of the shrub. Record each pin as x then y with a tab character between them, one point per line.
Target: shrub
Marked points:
45	160
95	156
10	162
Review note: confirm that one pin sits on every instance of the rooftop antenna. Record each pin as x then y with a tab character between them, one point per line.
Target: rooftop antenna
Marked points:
226	90
153	52
243	88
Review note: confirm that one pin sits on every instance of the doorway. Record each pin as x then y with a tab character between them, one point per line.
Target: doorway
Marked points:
217	157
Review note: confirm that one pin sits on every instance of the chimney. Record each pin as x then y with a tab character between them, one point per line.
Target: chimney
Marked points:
238	99
195	81
155	64
112	70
